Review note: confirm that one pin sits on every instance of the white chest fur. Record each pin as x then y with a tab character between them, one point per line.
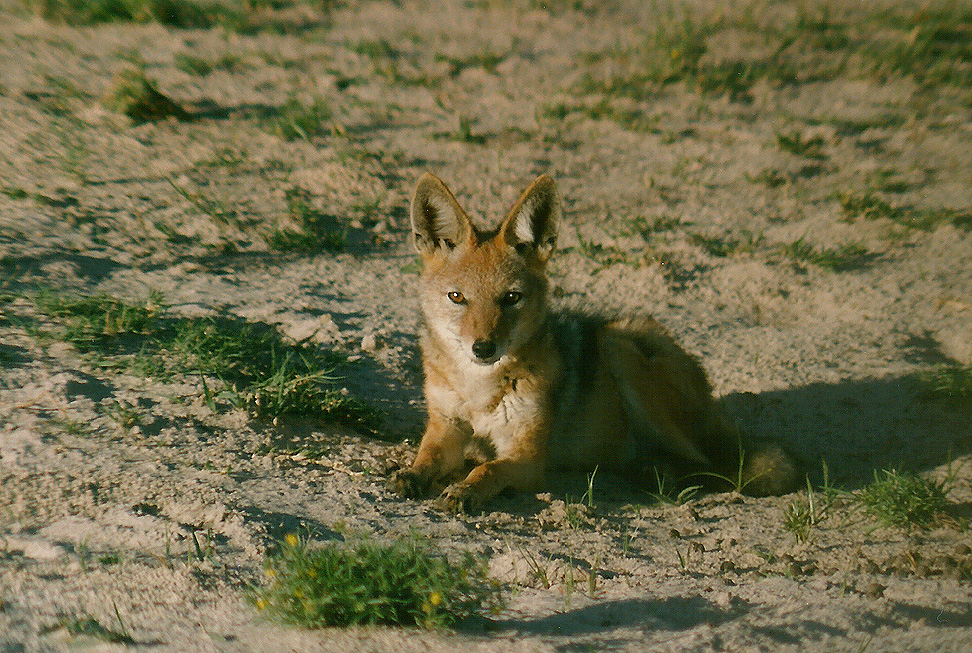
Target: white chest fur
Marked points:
495	405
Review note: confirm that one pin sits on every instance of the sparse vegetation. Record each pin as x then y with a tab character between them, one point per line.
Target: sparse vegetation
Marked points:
252	364
602	255
693	144
670	492
873	207
801	515
769	177
406	582
201	67
175	13
723	247
929	44
810	147
485	60
633	119
932	43
183	14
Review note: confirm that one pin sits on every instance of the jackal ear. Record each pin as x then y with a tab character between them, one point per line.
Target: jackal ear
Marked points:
531	225
438	222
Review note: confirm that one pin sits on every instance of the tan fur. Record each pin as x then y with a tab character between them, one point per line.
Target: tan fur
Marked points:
520	391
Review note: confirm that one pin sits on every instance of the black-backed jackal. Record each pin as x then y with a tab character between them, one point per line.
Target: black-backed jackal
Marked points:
516	391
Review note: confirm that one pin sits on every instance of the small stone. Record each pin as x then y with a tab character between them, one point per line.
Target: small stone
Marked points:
874	590
728	566
370	342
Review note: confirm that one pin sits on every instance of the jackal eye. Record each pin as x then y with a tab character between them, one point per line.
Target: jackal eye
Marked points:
456	297
512	298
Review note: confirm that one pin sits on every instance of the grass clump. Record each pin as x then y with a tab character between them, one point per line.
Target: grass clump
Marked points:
799	517
724	247
134	95
296	120
933	44
90	627
849	256
90	322
404	583
316	230
904	499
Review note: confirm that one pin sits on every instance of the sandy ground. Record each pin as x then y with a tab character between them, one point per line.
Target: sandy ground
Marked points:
100	516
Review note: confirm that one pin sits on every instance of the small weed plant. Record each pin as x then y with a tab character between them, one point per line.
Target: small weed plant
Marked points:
799	517
405	583
873	207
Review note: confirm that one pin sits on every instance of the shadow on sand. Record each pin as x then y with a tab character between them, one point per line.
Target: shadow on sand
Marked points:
856	427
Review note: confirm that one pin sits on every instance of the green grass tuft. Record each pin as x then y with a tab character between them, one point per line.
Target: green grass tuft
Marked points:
932	43
92	321
723	247
404	583
904	499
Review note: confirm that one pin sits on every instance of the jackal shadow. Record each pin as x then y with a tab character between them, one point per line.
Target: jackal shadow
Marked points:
855	427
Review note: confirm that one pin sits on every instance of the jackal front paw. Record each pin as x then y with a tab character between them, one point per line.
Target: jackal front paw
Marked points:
410	484
457	499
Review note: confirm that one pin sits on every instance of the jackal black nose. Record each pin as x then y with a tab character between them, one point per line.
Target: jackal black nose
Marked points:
484	349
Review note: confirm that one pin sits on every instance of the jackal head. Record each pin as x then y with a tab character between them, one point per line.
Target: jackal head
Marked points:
484	293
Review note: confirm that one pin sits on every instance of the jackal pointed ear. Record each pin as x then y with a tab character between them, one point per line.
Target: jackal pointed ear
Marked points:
438	222
531	225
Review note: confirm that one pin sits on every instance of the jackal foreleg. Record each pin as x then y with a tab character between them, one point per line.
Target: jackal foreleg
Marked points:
440	456
520	470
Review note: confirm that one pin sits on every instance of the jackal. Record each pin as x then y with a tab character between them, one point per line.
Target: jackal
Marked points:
516	390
